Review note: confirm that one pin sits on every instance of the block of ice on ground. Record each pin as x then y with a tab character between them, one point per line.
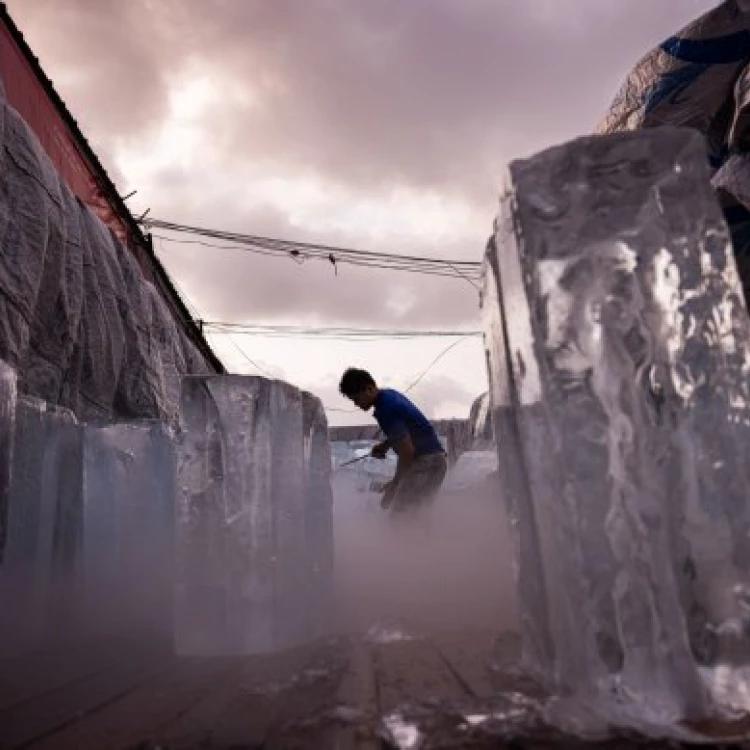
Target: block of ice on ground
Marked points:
8	398
128	527
318	512
538	650
30	527
45	484
242	553
473	469
617	335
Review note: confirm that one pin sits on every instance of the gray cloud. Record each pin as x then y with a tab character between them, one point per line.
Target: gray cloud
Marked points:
435	93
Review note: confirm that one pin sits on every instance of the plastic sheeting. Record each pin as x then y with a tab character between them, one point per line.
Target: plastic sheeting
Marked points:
78	322
700	78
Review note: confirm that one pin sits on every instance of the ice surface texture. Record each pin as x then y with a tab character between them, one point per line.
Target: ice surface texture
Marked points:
619	352
78	322
127	562
318	513
89	518
8	398
254	528
42	518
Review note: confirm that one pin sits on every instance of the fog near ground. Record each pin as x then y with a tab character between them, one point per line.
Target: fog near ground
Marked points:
447	570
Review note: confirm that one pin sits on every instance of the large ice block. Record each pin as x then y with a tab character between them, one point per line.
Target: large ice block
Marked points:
243	562
619	351
30	526
128	527
318	515
538	650
43	485
8	398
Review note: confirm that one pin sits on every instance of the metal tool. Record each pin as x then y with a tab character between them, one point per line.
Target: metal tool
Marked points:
352	461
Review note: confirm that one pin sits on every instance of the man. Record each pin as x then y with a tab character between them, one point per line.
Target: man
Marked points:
422	463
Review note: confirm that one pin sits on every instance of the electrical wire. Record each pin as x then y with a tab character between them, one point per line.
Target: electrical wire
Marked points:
442	354
303	251
336	333
468	271
192	309
245	355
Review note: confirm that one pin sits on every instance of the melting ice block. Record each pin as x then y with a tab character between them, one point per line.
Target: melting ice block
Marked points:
128	527
619	352
8	397
44	489
318	514
244	572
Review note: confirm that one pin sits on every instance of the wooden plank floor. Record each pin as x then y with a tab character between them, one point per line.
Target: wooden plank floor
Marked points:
328	695
449	691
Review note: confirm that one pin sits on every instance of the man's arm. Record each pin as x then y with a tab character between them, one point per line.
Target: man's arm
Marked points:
380	449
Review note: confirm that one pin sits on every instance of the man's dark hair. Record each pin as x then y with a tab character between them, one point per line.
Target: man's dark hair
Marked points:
353	381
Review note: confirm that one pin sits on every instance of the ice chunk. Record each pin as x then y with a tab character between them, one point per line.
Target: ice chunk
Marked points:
619	349
288	498
538	650
8	397
243	566
473	469
480	423
128	526
62	479
39	488
318	514
30	523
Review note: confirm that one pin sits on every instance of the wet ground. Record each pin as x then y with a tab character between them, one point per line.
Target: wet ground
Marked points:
390	689
370	692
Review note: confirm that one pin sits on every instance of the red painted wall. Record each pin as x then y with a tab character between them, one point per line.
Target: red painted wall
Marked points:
27	95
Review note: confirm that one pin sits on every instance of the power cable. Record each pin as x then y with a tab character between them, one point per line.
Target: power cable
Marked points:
435	361
244	354
300	251
341	333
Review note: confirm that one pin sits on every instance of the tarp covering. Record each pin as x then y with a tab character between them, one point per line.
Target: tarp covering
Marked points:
78	321
700	78
28	96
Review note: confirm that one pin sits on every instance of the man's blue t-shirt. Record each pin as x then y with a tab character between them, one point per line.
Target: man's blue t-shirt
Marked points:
399	417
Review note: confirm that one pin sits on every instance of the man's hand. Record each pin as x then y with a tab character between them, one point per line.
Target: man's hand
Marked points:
389	492
380	450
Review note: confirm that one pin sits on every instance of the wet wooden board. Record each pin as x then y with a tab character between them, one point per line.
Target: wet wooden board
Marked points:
47	713
470	659
327	695
141	715
22	678
250	703
414	671
184	703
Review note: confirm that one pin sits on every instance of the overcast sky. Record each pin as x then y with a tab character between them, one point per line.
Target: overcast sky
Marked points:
375	124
